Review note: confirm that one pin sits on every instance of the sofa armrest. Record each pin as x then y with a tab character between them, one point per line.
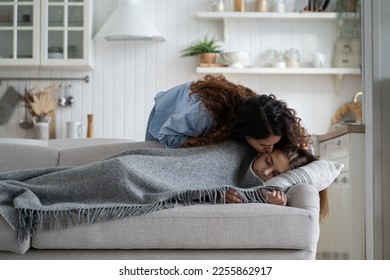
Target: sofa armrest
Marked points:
304	196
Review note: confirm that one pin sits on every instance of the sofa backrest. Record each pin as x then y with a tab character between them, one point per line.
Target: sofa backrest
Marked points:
20	156
14	156
90	153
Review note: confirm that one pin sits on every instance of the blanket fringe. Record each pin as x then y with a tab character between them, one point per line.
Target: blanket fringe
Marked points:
32	219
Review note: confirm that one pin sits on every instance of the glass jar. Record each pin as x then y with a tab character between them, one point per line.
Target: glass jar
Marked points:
270	55
262	6
279	6
293	58
279	61
239	5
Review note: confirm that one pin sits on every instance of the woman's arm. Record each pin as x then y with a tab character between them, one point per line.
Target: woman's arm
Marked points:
189	124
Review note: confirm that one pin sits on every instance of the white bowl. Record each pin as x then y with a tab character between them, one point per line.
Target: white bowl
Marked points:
55	55
237	59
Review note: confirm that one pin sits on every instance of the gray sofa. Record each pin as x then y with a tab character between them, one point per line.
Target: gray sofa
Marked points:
230	231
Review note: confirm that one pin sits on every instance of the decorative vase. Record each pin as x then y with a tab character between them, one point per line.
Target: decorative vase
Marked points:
41	127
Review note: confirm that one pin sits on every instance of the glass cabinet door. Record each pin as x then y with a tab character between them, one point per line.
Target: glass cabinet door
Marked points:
19	32
65	31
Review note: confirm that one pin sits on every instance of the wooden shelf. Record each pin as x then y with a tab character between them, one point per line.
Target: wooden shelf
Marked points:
265	16
279	71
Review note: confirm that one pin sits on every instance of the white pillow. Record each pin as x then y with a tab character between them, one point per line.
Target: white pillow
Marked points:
320	173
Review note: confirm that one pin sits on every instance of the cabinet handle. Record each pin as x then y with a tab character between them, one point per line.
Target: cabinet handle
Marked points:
344	179
338	142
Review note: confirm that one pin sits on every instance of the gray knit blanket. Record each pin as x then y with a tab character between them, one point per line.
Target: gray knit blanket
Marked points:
128	184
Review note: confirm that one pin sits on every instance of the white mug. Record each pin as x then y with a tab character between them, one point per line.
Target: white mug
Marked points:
318	59
73	129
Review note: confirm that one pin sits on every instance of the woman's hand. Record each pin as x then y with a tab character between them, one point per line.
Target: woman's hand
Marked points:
232	196
214	137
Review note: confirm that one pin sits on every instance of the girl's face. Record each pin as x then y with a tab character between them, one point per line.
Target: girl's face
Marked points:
263	145
269	165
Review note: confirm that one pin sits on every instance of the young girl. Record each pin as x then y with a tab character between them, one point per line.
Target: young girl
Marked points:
213	110
281	160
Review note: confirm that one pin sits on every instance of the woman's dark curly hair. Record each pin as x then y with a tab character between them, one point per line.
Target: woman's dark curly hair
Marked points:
239	112
222	98
263	115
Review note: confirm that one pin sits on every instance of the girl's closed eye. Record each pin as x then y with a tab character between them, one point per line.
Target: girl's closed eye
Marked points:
269	160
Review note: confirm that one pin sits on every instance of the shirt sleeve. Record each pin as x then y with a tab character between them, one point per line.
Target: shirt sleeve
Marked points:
191	123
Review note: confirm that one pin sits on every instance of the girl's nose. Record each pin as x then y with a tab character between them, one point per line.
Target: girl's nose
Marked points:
268	149
266	173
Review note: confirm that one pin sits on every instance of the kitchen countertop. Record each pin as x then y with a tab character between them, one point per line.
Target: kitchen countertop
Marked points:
351	128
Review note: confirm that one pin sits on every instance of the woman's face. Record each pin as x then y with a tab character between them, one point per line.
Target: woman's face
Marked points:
263	145
269	165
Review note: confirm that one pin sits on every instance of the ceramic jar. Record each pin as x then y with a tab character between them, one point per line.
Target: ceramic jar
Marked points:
41	127
218	6
239	5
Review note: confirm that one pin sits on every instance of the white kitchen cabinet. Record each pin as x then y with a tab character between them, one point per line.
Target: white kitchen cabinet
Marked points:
230	18
19	32
46	33
342	234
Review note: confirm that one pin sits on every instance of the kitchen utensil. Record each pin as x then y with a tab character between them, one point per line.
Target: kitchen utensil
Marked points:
26	123
91	129
8	103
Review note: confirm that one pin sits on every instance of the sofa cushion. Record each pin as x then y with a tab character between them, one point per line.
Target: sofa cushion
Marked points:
319	173
229	226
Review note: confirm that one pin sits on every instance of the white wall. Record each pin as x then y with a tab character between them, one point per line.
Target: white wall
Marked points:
127	75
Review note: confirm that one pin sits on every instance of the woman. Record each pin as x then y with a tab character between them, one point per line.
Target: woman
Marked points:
213	110
269	165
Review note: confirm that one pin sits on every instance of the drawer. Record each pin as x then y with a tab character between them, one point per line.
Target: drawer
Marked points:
348	45
347	59
336	149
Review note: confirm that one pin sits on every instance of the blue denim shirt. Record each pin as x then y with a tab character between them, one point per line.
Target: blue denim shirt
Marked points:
176	116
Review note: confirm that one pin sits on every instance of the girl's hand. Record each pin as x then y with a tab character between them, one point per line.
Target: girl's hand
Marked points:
232	196
277	197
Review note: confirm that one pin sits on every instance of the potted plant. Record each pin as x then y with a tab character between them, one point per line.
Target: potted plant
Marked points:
207	49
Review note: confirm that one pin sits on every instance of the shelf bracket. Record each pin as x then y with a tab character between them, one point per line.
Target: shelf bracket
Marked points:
337	82
225	30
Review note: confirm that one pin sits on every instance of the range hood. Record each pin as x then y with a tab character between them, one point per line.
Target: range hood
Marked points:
128	22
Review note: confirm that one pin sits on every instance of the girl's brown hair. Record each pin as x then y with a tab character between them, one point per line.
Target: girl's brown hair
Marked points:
299	157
